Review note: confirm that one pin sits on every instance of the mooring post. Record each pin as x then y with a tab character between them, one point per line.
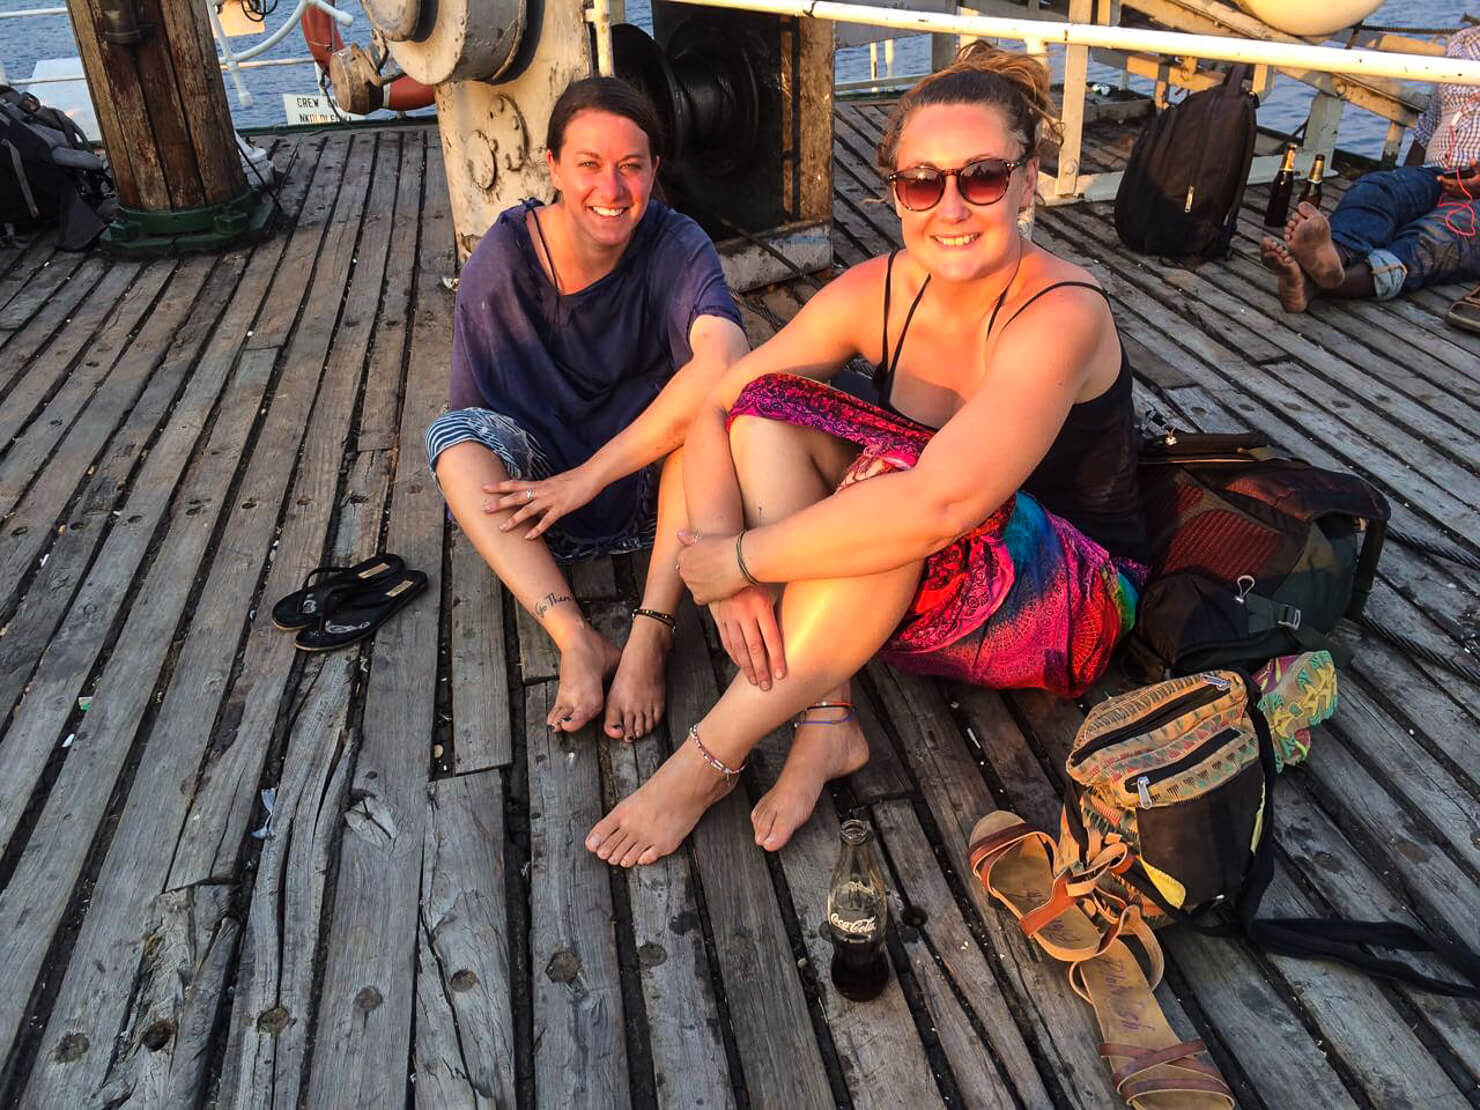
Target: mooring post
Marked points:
155	80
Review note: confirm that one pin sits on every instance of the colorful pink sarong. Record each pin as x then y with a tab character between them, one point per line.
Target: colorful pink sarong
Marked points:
1024	600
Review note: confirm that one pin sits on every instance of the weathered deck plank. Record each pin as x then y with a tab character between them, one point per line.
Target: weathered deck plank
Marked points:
580	1051
366	1003
464	1024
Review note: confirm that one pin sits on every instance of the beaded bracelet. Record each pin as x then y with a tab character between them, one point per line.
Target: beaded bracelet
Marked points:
740	559
659	616
710	758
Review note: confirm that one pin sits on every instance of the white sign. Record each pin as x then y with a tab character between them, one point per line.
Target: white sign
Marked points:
308	108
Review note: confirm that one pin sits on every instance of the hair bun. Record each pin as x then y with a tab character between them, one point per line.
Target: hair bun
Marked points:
1023	70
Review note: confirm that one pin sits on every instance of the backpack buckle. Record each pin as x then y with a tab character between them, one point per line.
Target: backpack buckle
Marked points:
1287	616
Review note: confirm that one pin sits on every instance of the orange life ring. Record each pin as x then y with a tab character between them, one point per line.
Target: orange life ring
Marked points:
321	33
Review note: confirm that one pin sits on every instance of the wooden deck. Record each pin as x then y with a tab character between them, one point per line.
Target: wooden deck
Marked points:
418	921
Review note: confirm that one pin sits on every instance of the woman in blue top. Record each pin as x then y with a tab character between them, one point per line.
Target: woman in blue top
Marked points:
586	334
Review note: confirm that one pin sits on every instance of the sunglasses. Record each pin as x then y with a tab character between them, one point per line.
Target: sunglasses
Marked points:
981	183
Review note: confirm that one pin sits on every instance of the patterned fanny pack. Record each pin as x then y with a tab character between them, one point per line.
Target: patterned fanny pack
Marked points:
1167	794
1170	811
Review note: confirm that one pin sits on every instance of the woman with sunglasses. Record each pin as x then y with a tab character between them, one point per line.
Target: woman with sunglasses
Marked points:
981	523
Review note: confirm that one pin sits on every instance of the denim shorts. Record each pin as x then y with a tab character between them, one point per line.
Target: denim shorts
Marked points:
526	460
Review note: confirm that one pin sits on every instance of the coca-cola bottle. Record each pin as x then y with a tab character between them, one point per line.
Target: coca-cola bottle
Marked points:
857	914
1312	191
1278	208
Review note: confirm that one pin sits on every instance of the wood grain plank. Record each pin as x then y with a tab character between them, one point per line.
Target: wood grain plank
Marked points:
59	844
363	1045
54	382
158	344
997	1067
481	729
41	249
580	1053
188	950
384	378
879	1049
324	384
683	1022
71	654
777	1047
273	1004
81	289
33	300
271	1017
94	994
464	1024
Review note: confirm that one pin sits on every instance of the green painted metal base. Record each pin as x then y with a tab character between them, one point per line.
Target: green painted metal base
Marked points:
134	233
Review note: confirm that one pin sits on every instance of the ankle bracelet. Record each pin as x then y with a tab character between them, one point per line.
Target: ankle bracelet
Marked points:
657	615
710	758
847	714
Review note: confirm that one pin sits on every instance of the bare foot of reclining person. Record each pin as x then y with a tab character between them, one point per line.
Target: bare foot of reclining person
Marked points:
638	694
1308	234
823	749
1294	286
587	660
652	821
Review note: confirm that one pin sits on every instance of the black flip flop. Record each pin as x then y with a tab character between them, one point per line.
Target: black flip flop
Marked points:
353	612
303	607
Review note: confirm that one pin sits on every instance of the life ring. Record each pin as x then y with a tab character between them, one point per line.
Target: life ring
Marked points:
320	32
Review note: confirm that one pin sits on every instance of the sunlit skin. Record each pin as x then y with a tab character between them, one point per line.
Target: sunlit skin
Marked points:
604	172
846	577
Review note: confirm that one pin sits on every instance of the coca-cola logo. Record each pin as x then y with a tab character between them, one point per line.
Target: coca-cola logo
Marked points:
856	928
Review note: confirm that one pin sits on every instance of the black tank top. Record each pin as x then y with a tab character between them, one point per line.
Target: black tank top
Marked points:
1088	475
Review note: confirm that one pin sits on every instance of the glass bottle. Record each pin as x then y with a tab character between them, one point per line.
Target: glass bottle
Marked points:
1278	208
857	913
1312	190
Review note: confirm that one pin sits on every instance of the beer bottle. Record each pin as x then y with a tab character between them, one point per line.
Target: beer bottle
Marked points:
857	913
1312	190
1278	209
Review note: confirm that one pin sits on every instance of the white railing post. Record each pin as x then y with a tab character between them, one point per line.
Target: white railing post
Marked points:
1076	69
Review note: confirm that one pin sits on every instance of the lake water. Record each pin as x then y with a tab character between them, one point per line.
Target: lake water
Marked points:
24	42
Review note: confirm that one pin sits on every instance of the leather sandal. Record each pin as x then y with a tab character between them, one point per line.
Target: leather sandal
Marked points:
1065	916
1465	312
1166	1078
1017	865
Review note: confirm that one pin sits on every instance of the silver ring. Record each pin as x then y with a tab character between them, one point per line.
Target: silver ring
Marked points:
529	495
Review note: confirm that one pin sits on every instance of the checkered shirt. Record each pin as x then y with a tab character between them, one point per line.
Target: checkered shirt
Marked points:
1449	128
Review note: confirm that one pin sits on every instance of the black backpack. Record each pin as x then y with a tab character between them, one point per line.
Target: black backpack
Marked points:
1252	555
49	173
1180	193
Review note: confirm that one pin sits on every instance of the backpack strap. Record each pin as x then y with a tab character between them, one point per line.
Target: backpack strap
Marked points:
20	176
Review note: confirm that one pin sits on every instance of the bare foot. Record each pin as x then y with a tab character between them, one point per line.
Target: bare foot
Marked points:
585	665
1309	235
635	705
653	820
819	752
1294	286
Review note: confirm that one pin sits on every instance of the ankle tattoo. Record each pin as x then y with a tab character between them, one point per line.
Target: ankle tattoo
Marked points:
548	602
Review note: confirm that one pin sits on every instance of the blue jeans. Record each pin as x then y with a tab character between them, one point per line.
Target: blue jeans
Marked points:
1394	221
